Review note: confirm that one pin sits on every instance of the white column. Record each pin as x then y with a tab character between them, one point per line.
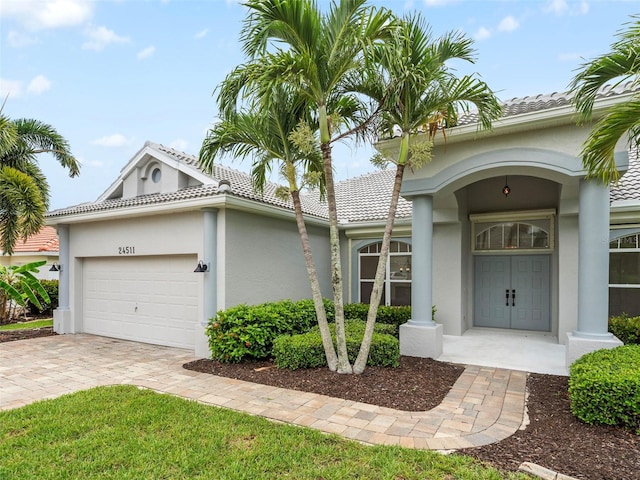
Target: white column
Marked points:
62	322
421	336
209	283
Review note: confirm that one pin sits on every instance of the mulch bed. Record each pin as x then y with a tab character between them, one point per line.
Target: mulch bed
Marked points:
12	335
554	438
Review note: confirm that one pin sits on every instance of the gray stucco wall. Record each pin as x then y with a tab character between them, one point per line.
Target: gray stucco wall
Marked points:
263	259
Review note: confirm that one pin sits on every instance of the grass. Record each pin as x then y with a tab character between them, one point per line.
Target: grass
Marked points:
128	433
28	325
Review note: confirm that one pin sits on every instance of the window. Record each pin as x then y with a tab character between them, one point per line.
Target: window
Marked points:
505	232
624	275
156	174
397	284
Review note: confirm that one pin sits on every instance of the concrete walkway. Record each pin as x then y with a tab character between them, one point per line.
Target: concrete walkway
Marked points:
484	406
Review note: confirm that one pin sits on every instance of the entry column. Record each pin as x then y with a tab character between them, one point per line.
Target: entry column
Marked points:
593	273
62	321
209	283
421	336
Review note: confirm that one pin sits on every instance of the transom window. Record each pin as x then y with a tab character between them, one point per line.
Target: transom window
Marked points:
624	275
505	232
397	284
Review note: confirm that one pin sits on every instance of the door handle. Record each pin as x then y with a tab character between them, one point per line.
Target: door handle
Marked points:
513	298
507	300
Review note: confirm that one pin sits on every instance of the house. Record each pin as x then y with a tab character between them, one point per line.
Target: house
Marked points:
40	246
166	246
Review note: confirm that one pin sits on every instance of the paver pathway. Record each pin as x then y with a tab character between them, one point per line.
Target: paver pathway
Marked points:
484	406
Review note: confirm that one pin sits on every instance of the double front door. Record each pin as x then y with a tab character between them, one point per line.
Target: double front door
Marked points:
512	291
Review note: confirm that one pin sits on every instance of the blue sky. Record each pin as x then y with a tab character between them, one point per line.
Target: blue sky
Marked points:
111	74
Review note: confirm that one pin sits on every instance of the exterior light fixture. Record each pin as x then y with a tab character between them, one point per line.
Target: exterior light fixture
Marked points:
201	267
506	190
55	268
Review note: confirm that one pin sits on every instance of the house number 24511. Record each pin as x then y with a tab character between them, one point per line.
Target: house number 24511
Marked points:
126	250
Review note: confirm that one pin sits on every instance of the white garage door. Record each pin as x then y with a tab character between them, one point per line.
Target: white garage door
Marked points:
147	299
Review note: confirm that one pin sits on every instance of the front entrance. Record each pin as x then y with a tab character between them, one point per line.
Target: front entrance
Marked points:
512	291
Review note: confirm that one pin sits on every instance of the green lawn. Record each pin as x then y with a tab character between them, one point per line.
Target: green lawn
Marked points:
27	325
123	432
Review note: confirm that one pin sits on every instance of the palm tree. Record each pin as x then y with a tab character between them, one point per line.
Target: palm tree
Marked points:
620	64
24	191
418	93
292	42
268	132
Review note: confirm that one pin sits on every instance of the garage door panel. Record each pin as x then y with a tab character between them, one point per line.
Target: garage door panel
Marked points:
148	299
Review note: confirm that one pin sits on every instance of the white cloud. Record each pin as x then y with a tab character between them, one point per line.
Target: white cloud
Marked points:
179	144
438	3
559	7
12	88
101	37
115	140
562	7
482	33
508	24
18	40
46	14
146	53
201	34
38	85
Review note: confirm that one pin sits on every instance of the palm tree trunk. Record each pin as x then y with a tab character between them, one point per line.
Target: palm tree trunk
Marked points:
378	283
336	271
316	292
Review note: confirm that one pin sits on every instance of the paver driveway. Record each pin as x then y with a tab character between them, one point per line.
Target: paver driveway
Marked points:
484	406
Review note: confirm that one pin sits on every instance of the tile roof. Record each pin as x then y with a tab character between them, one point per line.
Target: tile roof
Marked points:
46	240
628	188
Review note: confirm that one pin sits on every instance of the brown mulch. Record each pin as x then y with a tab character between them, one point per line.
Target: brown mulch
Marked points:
554	438
12	335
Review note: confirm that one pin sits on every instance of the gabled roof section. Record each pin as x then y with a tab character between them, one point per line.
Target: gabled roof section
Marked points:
235	184
628	187
46	240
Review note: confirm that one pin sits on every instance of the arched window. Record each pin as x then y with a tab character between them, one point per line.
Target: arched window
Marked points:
512	235
397	284
624	275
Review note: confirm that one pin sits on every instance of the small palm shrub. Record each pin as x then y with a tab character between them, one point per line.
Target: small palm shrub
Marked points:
51	287
626	328
306	350
604	387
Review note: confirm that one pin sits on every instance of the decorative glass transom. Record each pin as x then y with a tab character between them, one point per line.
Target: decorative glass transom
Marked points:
512	235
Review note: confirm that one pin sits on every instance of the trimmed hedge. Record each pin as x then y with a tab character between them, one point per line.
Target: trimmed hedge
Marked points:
626	328
604	387
306	350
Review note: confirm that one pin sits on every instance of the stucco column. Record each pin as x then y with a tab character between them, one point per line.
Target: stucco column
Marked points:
421	336
209	283
593	273
62	315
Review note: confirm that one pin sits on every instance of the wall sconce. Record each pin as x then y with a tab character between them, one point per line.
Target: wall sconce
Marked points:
201	267
55	268
506	190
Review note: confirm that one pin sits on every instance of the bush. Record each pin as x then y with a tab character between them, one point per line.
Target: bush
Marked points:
51	287
306	350
604	387
626	328
248	331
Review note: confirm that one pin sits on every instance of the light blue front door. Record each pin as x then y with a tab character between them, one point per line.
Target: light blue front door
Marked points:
512	291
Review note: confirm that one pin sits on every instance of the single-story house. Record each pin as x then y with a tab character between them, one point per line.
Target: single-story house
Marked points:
166	245
36	248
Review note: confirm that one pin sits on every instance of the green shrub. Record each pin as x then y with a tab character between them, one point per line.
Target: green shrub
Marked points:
51	287
604	387
306	350
248	331
626	328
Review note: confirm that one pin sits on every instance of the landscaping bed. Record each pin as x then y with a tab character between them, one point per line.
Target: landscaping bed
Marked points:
11	335
554	438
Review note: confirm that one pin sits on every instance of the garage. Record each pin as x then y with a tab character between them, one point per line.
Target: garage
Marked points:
150	299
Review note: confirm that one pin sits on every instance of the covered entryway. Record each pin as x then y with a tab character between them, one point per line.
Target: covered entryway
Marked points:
150	299
512	291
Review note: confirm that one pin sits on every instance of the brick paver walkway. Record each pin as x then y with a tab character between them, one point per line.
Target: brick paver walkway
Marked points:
484	406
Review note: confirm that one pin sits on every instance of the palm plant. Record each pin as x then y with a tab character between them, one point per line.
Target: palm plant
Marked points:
17	285
271	131
292	42
24	191
621	64
419	93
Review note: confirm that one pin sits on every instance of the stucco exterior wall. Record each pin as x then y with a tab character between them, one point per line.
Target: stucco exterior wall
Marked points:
264	259
21	259
447	280
567	275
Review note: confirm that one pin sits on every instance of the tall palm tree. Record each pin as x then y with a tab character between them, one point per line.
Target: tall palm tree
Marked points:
622	63
24	191
419	93
295	43
267	133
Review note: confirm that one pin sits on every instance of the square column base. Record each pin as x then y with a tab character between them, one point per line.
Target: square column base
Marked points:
201	342
62	321
424	341
578	346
